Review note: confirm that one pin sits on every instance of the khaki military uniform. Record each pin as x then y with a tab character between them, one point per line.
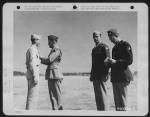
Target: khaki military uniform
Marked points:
54	76
32	64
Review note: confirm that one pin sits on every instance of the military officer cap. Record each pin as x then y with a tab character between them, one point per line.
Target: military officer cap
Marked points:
113	32
35	37
52	37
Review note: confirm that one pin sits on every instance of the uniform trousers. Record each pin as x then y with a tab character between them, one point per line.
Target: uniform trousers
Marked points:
101	95
55	93
32	95
120	90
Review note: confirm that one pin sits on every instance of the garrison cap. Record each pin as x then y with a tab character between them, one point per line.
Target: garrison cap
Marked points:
35	37
113	32
52	37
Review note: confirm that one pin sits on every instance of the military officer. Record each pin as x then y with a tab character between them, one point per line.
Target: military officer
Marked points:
120	73
32	65
53	72
99	71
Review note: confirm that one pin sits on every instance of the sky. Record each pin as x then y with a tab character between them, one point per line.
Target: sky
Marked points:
74	30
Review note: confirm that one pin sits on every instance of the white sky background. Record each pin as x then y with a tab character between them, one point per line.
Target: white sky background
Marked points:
75	32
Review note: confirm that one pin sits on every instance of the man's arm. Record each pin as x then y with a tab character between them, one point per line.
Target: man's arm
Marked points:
51	58
127	60
128	57
107	52
32	61
44	61
91	73
54	55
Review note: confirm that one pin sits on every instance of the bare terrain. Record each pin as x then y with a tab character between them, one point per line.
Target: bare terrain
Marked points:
77	94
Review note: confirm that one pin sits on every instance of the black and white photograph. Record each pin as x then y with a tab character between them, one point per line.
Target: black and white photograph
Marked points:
75	60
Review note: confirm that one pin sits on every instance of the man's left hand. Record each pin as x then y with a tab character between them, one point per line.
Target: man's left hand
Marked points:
113	61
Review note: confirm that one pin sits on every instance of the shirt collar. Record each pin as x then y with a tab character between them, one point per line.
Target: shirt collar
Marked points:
98	44
34	46
56	47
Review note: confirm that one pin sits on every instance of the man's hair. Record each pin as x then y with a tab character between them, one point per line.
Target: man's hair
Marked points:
96	32
33	41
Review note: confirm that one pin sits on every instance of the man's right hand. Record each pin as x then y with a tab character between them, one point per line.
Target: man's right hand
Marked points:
35	82
91	79
41	58
106	61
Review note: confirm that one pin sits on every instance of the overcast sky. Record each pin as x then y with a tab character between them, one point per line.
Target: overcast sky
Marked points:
75	32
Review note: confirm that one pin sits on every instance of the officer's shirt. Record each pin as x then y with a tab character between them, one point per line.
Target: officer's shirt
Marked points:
33	60
122	53
53	70
99	54
53	57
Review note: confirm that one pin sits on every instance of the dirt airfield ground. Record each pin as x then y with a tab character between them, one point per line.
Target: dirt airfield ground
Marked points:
77	94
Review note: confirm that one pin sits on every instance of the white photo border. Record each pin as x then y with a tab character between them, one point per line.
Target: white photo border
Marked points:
142	41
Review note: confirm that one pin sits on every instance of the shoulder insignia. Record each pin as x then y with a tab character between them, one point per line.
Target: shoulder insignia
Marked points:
106	48
129	48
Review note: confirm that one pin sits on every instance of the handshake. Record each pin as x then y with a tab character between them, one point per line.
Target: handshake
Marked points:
108	61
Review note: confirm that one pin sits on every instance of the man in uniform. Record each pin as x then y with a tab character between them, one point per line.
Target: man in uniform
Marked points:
53	72
32	65
99	71
120	73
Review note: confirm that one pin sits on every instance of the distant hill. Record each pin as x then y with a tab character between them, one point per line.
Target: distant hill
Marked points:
77	74
19	73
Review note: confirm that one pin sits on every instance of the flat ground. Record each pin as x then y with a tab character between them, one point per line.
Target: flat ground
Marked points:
77	94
